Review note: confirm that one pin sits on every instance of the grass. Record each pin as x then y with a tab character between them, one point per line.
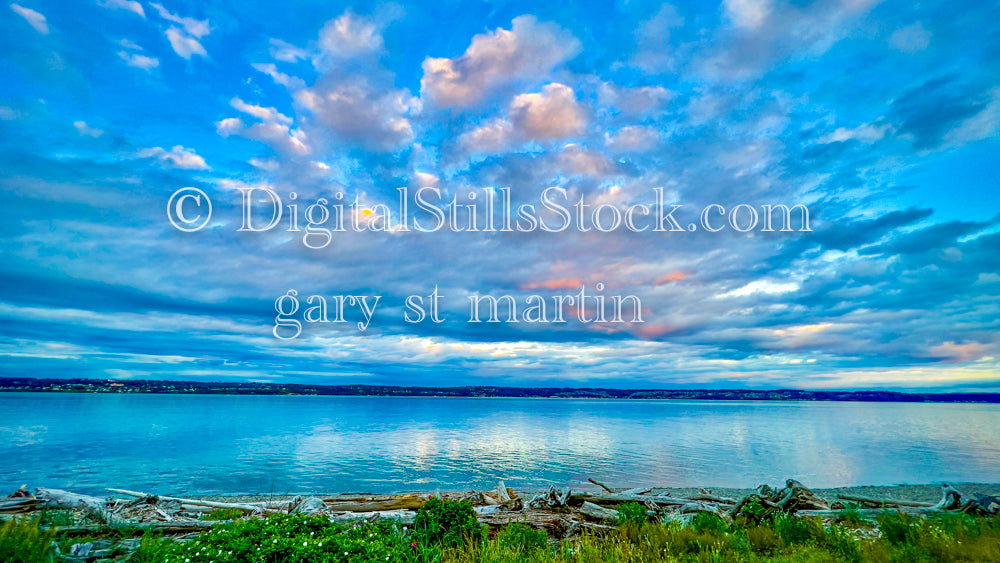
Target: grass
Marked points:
447	534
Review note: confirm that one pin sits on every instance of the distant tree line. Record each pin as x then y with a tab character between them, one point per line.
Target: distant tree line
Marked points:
257	388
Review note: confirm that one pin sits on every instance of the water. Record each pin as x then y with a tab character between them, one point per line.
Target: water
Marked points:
207	444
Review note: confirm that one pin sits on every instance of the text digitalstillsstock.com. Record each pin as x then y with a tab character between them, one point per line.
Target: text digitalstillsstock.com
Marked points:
486	211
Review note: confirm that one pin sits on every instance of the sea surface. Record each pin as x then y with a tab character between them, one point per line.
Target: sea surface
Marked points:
217	444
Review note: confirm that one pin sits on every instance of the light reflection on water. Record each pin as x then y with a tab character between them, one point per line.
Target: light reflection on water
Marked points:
262	444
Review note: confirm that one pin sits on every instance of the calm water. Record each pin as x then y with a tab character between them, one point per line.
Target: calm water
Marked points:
224	444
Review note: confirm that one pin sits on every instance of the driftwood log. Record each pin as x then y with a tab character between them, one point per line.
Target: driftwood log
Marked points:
96	506
197	502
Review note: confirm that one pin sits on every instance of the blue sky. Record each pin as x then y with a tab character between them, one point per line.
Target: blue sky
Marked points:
882	117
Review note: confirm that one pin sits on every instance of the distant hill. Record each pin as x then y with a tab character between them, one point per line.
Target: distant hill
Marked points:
249	388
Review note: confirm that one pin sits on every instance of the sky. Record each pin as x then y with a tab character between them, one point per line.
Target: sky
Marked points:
881	118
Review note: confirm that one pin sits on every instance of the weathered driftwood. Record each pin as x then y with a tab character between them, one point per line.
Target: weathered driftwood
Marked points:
198	502
606	488
19	505
707	496
951	499
870	513
398	516
412	502
137	529
553	499
96	506
597	512
878	503
619	498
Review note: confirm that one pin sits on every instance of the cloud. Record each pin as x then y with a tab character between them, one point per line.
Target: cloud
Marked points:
85	130
277	135
286	52
765	32
910	39
177	157
357	111
633	138
350	36
290	82
139	61
653	49
867	133
184	39
34	19
548	115
637	101
552	113
748	14
194	28
943	106
528	51
262	113
274	130
184	45
129	5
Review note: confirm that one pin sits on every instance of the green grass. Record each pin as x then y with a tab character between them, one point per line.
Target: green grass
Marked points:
448	533
224	514
23	541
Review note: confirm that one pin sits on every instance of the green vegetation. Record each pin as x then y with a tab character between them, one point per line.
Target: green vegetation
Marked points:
22	541
223	514
447	522
447	531
631	512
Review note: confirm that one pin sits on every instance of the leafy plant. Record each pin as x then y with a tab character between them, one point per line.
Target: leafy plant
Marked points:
631	512
447	522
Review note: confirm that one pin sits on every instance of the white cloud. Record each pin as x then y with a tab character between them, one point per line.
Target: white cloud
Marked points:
633	138
184	39
350	36
129	5
8	113
633	101
268	164
551	114
357	111
748	14
177	157
529	50
280	136
766	287
575	160
490	137
183	44
139	61
910	39
290	82
866	133
286	52
262	113
274	130
34	19
86	130
194	28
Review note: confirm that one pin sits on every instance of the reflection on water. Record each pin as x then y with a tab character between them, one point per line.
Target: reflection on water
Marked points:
261	444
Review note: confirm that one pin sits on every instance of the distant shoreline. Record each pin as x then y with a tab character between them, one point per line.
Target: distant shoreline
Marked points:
27	384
